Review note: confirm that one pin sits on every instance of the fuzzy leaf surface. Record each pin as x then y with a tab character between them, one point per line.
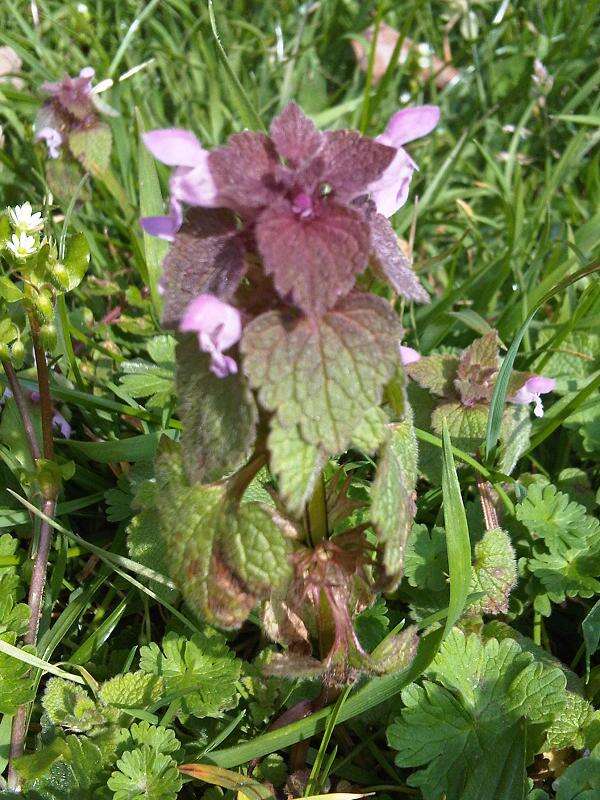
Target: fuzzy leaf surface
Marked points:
219	415
323	375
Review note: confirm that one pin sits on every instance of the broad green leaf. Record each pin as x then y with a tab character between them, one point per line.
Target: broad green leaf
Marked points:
457	537
201	672
494	572
591	633
393	495
9	291
580	781
463	729
552	516
323	375
371	431
578	726
80	773
219	416
219	577
465	424
92	147
296	464
17	681
71	707
75	261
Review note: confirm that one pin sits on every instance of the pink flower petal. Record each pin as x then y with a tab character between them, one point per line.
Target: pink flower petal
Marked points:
195	185
408	355
175	147
540	385
409	124
390	191
210	317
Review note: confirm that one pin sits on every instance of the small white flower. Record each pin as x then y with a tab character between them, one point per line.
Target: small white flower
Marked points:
23	220
22	245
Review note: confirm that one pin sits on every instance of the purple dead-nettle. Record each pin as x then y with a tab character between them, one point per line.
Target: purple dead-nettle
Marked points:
408	355
73	105
218	326
311	205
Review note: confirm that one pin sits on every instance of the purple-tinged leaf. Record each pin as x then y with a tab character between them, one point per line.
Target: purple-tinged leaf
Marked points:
477	370
351	162
391	263
323	375
393	494
91	147
295	135
244	170
207	256
219	416
315	259
436	373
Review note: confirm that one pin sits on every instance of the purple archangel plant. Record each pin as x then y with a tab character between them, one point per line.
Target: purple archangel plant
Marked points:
69	122
283	362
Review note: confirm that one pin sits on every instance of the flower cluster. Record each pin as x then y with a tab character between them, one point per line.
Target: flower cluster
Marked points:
26	225
73	105
476	373
311	208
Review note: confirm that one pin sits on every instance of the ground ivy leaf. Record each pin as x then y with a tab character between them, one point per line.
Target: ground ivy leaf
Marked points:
393	495
323	375
219	415
485	698
202	670
296	464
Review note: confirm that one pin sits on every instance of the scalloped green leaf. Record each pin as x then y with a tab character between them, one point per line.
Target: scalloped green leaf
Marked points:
325	374
393	495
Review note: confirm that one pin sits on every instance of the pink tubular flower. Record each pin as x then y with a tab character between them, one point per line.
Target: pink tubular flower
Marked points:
390	191
530	393
218	326
191	181
53	139
73	95
408	355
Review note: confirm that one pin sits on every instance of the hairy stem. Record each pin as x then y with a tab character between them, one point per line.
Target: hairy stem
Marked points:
38	576
44	389
486	496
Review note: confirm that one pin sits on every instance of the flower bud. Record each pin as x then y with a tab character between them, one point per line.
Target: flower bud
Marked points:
45	305
17	353
48	336
60	276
